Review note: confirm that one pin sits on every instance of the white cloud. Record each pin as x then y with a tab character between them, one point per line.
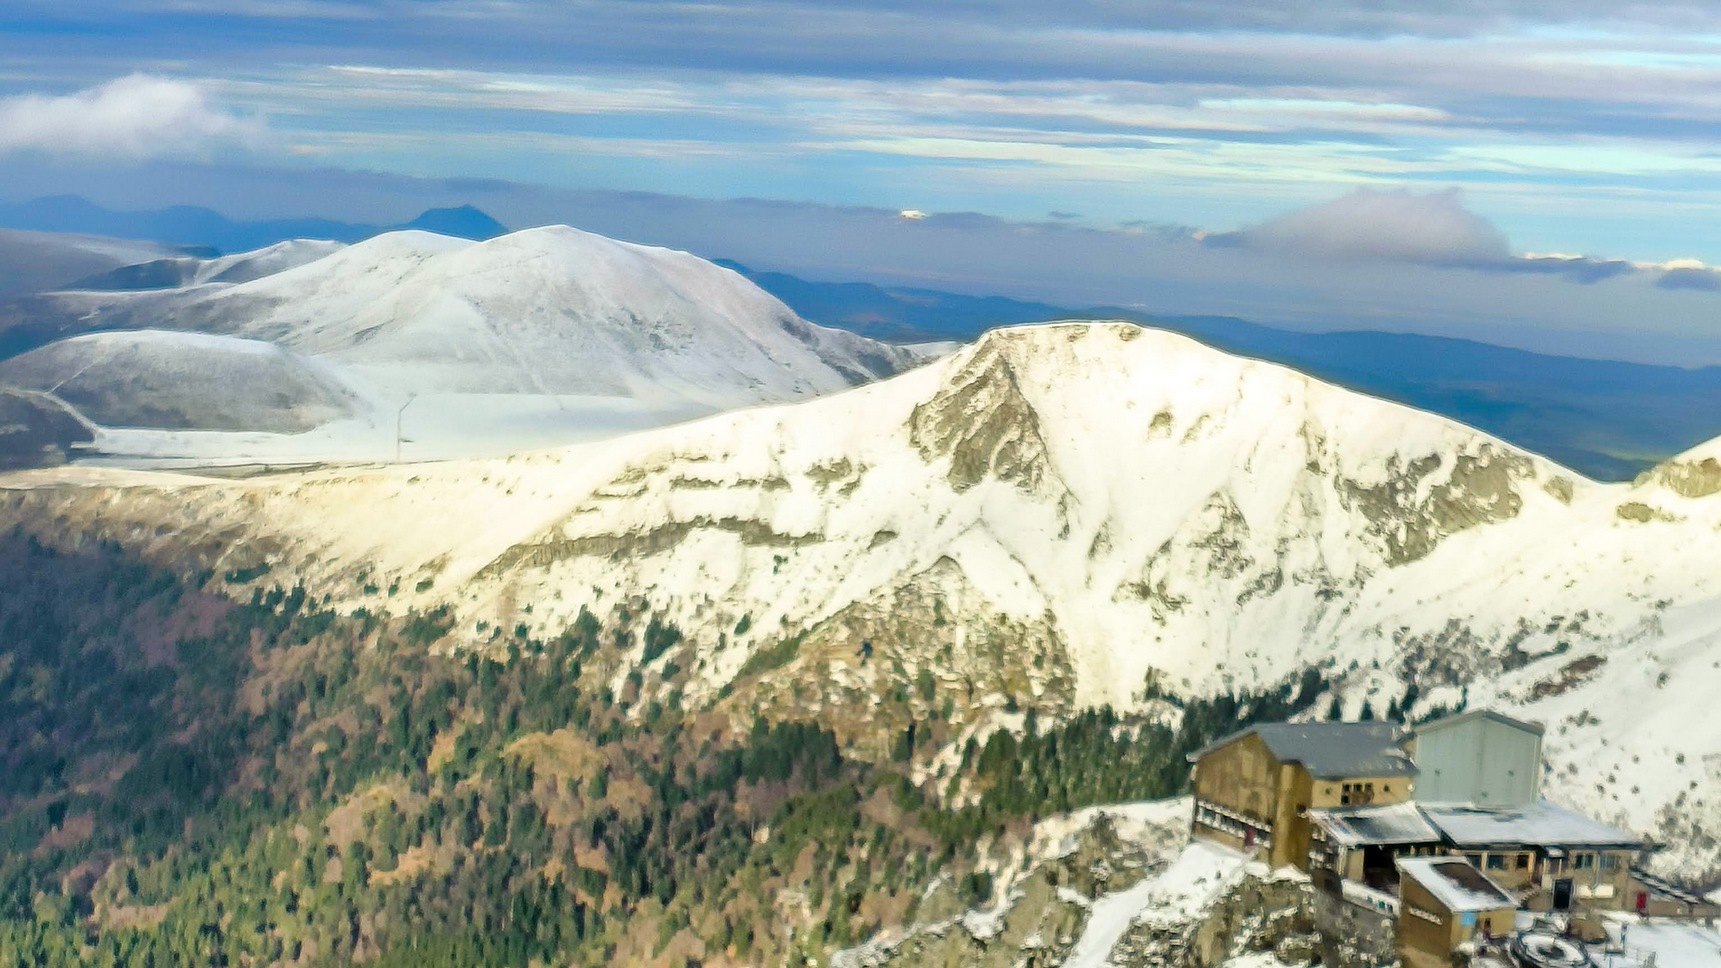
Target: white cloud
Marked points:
137	116
1394	225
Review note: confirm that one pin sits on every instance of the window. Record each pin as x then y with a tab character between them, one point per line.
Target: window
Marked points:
1496	862
1583	862
1523	862
1609	862
1474	859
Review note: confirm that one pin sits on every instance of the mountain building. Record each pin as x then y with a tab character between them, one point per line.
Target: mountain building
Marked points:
1345	801
1443	827
1448	902
1254	789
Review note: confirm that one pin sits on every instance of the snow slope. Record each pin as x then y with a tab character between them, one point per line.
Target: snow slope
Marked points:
1056	517
545	336
1192	881
185	381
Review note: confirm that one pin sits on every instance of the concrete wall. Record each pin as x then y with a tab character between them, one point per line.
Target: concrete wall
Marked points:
1479	760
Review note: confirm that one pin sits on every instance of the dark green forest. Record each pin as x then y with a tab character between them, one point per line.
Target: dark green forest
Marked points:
188	777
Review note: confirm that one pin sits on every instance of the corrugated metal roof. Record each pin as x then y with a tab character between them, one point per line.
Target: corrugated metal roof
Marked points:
1540	824
1397	823
1331	750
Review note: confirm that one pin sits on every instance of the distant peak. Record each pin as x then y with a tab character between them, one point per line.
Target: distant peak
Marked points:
461	221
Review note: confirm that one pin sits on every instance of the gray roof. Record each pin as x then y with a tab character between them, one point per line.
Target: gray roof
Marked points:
1398	823
1540	824
1331	750
1456	883
1497	717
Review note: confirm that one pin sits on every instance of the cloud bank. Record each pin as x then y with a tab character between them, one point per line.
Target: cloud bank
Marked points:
1398	226
132	117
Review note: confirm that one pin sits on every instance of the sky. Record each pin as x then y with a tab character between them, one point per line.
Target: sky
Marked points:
1538	173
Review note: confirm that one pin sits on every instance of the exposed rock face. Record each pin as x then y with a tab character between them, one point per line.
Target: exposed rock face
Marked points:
1689	478
1428	498
981	422
905	647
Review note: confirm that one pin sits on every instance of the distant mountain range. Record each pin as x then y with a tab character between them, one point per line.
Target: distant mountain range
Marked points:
313	350
1607	419
189	225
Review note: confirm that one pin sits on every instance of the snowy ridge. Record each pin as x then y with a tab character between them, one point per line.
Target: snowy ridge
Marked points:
185	270
1060	516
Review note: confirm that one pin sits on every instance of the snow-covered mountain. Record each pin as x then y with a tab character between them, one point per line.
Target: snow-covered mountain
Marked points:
543	336
186	270
1058	516
184	381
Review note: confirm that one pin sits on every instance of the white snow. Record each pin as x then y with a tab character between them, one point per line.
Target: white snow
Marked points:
1674	944
1198	875
544	337
1141	822
1536	823
1443	878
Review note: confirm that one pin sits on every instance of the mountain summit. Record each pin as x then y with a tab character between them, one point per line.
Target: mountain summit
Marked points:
464	221
541	336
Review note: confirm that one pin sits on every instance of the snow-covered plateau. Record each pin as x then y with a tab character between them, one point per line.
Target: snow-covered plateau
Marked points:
1053	518
418	346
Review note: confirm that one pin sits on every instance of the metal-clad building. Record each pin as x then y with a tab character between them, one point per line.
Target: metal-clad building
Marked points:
1479	757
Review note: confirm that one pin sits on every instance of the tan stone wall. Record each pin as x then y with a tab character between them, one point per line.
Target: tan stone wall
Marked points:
1291	826
1423	943
1509	876
1384	790
1242	776
1429	944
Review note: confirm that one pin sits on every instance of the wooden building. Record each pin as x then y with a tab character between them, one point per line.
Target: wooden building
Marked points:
1254	789
1446	902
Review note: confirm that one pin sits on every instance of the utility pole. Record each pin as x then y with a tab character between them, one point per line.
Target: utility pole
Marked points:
399	416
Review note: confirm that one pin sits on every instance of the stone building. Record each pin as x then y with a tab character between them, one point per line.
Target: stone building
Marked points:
1557	858
1254	789
1447	902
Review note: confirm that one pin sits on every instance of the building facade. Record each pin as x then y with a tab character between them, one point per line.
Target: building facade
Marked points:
1254	790
1480	757
1446	902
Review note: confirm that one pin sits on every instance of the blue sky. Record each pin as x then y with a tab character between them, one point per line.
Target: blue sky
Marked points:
1579	128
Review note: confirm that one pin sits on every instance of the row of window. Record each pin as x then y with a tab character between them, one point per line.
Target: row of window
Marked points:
1359	793
1580	861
